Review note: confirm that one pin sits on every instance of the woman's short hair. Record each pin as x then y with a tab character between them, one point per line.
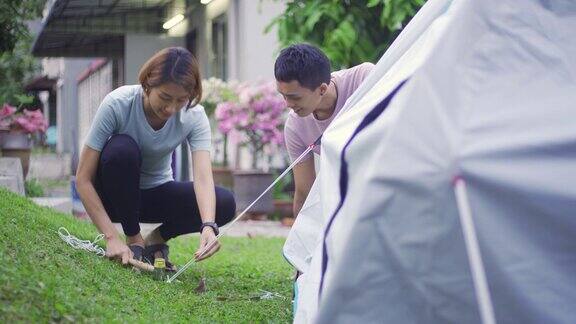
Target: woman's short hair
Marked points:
304	63
173	64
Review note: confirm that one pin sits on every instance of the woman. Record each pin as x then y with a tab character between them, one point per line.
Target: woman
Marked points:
125	174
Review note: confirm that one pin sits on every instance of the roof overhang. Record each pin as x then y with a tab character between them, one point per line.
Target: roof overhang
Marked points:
96	28
40	83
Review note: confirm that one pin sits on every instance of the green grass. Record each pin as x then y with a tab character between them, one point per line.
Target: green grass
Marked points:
42	279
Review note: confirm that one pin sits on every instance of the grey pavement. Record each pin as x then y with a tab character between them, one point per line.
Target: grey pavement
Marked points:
52	167
61	204
248	228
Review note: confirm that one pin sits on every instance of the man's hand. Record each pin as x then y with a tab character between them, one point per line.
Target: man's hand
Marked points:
117	250
208	244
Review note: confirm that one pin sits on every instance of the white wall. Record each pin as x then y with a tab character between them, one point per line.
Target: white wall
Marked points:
53	67
139	48
255	51
66	70
251	55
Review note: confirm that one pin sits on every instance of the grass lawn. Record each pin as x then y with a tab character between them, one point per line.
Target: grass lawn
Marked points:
42	279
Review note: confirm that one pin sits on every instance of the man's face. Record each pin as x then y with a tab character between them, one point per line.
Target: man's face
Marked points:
168	99
298	98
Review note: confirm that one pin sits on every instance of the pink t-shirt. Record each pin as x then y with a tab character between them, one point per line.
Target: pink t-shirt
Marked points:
300	132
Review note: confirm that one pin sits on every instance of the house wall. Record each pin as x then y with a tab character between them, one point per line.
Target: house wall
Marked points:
177	7
250	57
93	88
255	56
140	47
196	21
255	51
66	70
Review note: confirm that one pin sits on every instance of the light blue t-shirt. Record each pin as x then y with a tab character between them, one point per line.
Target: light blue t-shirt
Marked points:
122	112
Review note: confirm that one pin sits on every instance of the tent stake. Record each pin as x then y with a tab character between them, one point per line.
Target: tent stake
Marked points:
228	226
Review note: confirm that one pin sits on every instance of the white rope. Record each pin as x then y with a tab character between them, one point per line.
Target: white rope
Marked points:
474	257
270	295
79	244
229	225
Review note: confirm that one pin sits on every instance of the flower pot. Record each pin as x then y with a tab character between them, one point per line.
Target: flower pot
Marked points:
248	185
287	221
283	207
257	216
223	177
15	140
19	145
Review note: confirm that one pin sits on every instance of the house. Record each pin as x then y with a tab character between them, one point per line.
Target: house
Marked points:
227	37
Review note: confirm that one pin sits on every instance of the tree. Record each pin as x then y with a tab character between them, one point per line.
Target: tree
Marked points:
349	31
15	67
13	17
16	61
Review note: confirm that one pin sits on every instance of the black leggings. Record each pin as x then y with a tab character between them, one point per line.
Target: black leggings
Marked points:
173	203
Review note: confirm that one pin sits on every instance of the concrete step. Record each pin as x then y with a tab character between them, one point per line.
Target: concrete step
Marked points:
11	175
61	204
49	166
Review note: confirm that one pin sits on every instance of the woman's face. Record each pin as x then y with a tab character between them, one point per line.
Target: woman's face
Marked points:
167	99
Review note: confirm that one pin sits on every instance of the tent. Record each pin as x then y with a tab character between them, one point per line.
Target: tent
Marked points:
483	91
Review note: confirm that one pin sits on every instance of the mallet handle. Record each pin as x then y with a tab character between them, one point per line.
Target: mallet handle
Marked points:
141	265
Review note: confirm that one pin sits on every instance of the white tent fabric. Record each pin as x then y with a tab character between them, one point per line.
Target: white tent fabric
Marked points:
302	248
302	243
304	235
489	96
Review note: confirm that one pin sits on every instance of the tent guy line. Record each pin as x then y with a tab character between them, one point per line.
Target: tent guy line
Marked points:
229	225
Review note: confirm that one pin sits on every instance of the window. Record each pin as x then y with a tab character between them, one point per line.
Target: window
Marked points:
220	47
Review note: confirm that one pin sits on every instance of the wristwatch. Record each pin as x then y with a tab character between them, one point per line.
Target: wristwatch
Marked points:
210	224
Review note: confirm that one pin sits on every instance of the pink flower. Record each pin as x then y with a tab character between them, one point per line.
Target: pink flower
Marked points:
255	117
237	137
226	126
7	110
224	110
26	121
242	119
25	124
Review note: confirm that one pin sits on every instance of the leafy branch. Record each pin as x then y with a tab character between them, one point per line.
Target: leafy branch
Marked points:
349	32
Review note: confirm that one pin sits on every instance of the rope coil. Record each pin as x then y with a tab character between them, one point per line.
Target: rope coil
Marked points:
79	244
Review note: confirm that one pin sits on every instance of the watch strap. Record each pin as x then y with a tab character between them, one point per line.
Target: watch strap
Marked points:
210	224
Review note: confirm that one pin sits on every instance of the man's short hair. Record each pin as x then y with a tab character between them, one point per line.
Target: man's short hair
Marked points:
304	63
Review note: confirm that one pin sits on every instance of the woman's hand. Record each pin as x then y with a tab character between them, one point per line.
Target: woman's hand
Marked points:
208	244
116	249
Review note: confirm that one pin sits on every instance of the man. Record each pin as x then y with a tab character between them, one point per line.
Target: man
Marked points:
315	96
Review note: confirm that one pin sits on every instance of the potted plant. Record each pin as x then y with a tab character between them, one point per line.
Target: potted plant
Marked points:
283	200
254	121
17	125
216	91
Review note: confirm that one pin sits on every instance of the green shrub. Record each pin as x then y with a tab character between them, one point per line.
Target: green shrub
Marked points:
33	188
349	32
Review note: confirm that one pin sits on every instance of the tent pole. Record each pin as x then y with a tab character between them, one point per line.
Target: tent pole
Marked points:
474	256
